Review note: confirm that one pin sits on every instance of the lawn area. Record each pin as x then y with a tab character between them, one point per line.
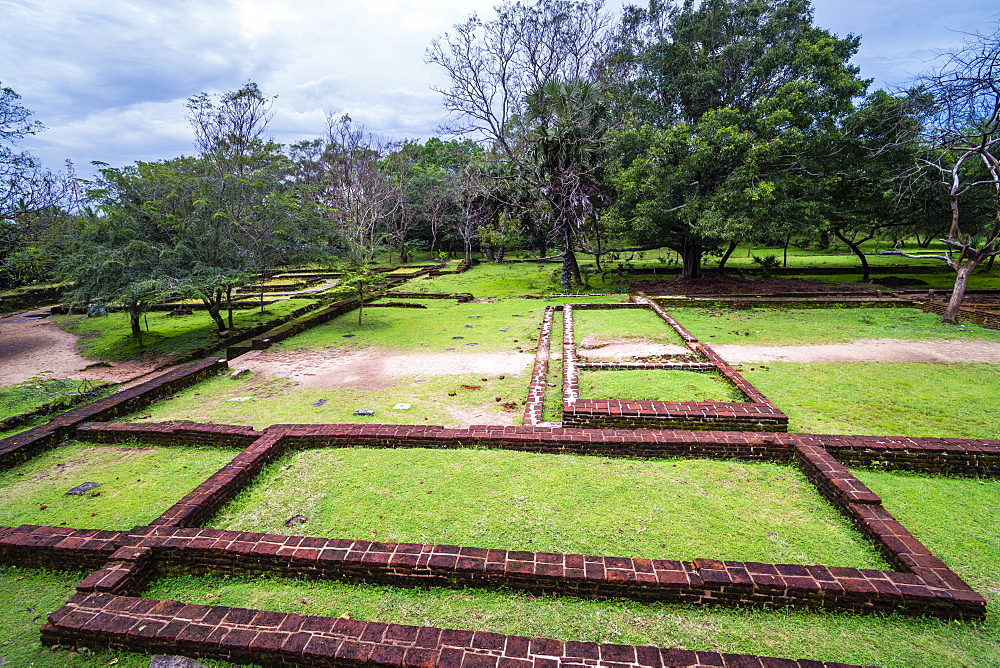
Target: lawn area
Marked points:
261	401
556	503
790	327
964	535
633	325
502	324
890	398
511	280
109	338
137	483
657	385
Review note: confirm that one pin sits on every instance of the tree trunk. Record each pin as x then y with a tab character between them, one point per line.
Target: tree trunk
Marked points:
958	292
569	265
133	315
865	269
725	258
692	260
213	303
784	259
229	304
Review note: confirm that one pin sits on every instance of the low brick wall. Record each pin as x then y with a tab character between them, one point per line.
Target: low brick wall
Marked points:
250	636
535	405
460	297
21	447
921	585
978	316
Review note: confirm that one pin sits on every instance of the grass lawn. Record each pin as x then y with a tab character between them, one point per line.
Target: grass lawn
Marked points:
281	401
964	534
512	280
495	325
556	503
657	385
789	327
136	484
891	398
109	337
633	324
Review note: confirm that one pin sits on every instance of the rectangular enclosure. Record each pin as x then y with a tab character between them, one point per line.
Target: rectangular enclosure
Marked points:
679	509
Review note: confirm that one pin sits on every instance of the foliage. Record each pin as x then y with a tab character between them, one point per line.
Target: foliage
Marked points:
730	96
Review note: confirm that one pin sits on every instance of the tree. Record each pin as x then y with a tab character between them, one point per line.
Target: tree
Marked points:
961	145
521	82
727	95
356	192
32	199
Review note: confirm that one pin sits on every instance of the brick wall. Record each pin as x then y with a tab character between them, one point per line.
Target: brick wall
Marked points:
20	447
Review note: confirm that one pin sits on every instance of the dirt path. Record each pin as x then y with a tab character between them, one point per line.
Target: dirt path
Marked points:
867	350
30	345
373	368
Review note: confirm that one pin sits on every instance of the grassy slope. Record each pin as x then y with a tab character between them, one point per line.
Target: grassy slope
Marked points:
558	503
891	398
136	484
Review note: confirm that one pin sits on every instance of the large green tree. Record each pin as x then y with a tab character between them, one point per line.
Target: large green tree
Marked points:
726	97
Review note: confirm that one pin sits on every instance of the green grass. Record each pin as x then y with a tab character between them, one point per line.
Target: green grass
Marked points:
657	385
511	280
27	596
495	499
787	327
109	338
281	401
957	518
137	483
963	533
892	398
633	324
38	392
432	328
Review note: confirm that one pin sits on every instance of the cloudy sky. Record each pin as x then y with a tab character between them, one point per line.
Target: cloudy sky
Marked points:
109	78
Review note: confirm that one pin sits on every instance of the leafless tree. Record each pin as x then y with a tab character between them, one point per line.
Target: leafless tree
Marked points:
514	81
962	143
358	195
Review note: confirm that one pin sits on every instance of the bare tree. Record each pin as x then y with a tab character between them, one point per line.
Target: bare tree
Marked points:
359	197
513	82
963	147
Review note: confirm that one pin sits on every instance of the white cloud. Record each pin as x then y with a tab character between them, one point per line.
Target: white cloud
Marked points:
110	79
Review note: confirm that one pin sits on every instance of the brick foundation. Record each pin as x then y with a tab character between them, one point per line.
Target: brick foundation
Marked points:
757	413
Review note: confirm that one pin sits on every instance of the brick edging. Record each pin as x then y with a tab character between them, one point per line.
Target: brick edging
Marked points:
244	635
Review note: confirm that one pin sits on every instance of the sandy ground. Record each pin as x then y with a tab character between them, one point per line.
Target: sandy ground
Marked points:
29	346
626	351
371	368
866	350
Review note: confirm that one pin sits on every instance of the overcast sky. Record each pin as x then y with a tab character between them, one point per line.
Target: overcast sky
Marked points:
109	78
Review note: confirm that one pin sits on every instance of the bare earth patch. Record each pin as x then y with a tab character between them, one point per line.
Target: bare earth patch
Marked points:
596	348
866	350
373	368
29	346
